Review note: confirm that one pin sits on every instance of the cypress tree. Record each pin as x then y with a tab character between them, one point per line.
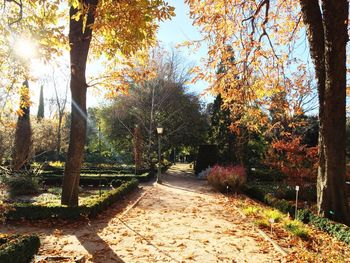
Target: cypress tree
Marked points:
40	115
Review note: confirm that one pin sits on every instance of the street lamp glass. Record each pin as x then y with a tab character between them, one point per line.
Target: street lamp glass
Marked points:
160	130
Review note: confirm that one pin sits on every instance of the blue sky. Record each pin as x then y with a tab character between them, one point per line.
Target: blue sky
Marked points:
178	30
171	33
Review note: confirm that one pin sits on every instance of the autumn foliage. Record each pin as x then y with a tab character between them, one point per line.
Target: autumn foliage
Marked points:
229	178
294	159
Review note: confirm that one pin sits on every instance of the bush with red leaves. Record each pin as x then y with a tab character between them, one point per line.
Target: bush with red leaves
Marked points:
294	159
229	178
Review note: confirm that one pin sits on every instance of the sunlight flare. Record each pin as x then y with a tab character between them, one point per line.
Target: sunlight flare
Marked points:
25	48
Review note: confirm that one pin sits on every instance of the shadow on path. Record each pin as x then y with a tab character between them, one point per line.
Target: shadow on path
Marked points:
85	231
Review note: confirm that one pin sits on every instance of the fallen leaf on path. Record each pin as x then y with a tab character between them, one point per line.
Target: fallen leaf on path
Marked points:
57	233
181	245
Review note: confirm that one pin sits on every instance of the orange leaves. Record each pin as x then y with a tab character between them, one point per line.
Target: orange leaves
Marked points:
261	37
297	161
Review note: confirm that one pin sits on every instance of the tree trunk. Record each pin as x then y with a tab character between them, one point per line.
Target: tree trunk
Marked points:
79	40
334	202
23	135
151	127
59	135
327	35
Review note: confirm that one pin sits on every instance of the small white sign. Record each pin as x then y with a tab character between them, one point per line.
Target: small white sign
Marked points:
297	188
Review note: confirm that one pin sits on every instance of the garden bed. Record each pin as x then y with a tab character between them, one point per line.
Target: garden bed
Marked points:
337	230
95	170
18	248
98	179
302	242
89	207
283	190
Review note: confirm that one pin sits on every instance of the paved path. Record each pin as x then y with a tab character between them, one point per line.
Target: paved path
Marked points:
179	221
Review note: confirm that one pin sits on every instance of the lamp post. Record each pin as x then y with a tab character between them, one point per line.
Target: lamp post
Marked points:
159	173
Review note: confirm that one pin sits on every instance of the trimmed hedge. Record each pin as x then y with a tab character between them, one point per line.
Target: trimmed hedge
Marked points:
104	179
115	171
91	209
107	199
18	249
265	174
283	191
337	230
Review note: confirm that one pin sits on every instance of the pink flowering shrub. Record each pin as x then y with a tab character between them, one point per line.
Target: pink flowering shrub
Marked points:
229	178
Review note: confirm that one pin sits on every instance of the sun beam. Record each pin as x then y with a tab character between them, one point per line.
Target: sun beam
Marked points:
25	48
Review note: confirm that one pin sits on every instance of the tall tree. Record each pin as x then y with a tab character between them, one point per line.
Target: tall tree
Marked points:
221	119
23	135
125	28
220	132
327	31
265	35
178	112
40	114
80	34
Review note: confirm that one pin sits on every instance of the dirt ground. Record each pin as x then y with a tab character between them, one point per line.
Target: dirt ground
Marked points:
181	220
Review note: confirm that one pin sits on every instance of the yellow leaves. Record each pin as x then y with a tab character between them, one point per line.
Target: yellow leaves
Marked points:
129	71
75	4
24	100
129	26
76	16
20	112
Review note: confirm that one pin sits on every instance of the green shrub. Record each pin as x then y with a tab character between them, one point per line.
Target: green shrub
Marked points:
22	185
281	204
26	182
90	209
339	231
263	222
107	199
283	191
254	192
251	210
297	228
18	249
266	174
273	214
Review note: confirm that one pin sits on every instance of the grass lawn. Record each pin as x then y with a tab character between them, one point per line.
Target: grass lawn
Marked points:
52	196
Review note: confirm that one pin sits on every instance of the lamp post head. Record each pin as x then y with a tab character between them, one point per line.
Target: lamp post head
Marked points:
160	130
